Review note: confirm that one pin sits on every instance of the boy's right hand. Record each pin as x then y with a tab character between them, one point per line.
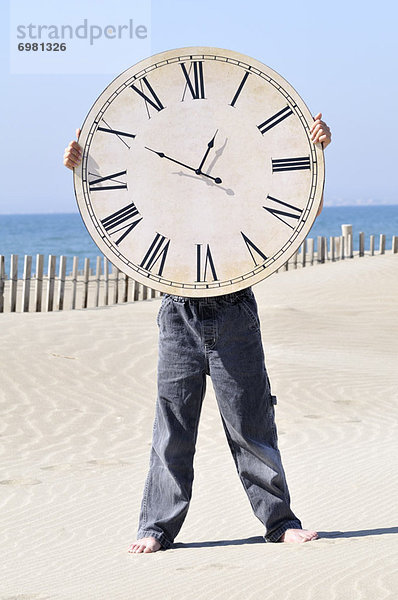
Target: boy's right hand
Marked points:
73	153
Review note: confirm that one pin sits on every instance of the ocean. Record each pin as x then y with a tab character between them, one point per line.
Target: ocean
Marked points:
65	234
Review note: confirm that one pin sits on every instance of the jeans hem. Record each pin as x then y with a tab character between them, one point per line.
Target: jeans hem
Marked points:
277	534
164	542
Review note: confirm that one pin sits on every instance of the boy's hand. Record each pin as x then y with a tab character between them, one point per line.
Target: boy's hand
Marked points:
320	132
73	153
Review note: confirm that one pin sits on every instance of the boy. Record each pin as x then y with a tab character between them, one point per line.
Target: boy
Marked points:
219	337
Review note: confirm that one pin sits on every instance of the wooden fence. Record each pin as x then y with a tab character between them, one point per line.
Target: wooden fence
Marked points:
106	285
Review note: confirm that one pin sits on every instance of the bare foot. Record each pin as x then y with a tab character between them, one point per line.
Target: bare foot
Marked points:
145	545
298	536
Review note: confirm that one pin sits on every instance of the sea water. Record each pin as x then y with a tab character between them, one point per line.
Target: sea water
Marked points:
65	234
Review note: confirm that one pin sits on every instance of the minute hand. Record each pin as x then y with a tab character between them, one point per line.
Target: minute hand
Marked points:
163	155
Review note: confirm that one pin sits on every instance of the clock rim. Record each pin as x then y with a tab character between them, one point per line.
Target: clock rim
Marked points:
211	288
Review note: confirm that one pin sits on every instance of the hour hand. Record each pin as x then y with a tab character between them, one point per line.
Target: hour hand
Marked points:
163	155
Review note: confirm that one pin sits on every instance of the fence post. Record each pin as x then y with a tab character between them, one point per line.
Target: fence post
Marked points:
311	250
51	282
75	266
86	275
320	250
136	293
332	248
394	244
61	283
345	231
126	288
13	282
349	246
342	253
361	243
39	282
97	280
27	270
116	285
106	281
303	252
382	246
2	278
372	245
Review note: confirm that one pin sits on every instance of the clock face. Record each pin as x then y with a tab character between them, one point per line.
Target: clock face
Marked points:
199	177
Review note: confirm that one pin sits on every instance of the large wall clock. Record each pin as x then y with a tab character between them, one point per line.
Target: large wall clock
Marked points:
199	177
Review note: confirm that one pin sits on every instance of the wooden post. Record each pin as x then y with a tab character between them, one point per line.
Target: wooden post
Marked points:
125	288
86	276
319	250
310	242
345	230
332	248
394	244
2	279
337	247
116	285
106	281
136	294
342	253
153	293
97	280
325	249
52	260
303	253
286	266
382	245
350	253
372	245
39	282
361	243
75	267
13	282
27	270
61	283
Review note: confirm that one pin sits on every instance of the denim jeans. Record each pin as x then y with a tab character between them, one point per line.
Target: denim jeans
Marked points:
219	337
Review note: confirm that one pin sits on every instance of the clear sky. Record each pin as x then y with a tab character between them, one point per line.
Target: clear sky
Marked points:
341	57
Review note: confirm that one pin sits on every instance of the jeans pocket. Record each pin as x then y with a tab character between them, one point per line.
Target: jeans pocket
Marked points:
249	305
165	302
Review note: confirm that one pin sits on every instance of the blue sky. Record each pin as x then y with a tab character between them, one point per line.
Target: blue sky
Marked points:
340	56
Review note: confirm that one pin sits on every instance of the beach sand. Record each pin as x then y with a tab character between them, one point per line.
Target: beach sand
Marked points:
78	393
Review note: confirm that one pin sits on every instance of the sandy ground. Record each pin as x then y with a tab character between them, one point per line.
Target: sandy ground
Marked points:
77	400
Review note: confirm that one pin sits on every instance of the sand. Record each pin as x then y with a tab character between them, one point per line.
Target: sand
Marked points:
77	401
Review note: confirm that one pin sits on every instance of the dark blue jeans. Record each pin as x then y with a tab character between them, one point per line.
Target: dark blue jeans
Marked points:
220	337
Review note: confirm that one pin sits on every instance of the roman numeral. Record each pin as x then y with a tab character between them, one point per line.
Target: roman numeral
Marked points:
280	214
126	217
118	133
290	164
197	86
238	91
277	118
251	246
157	252
201	270
119	184
151	99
